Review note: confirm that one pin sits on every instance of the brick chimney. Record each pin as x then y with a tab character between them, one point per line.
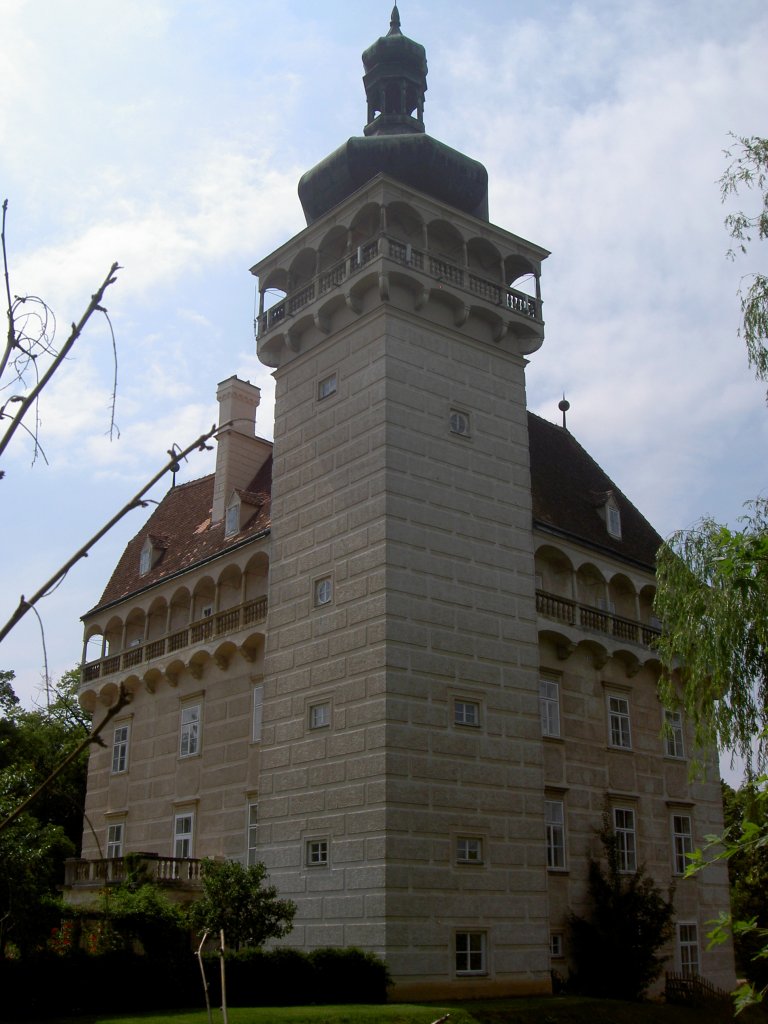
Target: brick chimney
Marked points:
240	453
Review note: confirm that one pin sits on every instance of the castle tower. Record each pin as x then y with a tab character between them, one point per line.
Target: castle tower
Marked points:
401	786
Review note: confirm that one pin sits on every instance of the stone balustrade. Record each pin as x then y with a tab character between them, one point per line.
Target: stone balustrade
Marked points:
597	620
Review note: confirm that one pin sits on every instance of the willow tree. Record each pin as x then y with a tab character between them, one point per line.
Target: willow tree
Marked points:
712	580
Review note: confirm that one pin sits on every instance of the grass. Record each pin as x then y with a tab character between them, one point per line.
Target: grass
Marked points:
552	1010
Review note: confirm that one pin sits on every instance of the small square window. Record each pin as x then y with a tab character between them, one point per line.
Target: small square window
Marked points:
556	945
466	712
469	850
320	715
327	386
317	853
459	422
470	953
323	591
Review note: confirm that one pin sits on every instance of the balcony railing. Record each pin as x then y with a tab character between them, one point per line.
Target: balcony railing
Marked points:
596	620
436	267
113	870
204	630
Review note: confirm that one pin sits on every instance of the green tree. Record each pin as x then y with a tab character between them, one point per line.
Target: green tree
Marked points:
712	594
615	947
34	846
237	900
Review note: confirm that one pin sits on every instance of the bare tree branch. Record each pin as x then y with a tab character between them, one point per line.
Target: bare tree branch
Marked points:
136	501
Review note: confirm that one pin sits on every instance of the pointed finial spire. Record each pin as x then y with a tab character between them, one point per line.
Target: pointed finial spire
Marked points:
394	22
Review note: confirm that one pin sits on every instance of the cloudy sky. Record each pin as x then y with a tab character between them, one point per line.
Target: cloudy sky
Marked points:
169	135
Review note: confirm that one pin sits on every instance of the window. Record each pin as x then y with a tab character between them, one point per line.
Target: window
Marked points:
613	520
258	709
470	952
323	591
145	559
554	820
624	827
556	945
466	712
317	853
469	850
618	722
673	734
320	715
682	841
189	742
115	835
327	387
688	945
183	830
549	707
459	422
120	749
252	833
232	519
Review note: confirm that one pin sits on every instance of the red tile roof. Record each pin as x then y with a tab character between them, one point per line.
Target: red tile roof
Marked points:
568	489
181	527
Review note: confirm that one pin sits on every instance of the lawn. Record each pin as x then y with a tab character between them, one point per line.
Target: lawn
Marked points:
552	1010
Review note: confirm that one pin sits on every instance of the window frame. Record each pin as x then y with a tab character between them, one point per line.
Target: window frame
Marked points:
674	735
190	731
315	710
682	841
318	589
115	839
251	833
327	386
317	853
186	837
257	713
232	519
554	825
689	965
549	708
470	953
120	748
460	719
469	850
619	722
626	839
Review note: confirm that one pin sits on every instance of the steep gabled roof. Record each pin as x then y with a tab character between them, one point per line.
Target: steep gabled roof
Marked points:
183	521
569	489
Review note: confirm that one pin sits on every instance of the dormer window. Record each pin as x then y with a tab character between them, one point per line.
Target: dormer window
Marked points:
613	519
150	553
232	519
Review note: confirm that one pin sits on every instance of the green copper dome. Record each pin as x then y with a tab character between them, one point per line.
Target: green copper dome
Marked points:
394	141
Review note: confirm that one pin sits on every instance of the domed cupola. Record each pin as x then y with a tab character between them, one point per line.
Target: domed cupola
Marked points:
394	141
395	82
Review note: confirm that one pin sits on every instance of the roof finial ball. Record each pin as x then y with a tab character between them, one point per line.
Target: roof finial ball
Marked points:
564	405
394	22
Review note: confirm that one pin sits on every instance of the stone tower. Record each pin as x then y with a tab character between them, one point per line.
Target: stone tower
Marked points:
401	789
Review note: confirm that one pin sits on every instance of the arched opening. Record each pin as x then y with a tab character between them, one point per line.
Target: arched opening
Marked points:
445	242
405	224
484	259
180	605
229	587
365	225
157	619
302	269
